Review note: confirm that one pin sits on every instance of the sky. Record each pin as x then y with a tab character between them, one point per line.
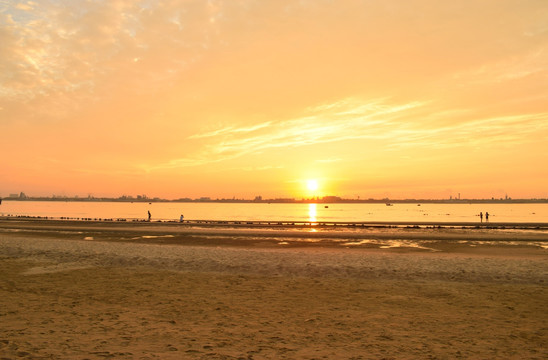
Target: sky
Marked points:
245	98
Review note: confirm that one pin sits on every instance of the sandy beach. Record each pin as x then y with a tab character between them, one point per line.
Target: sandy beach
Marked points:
72	290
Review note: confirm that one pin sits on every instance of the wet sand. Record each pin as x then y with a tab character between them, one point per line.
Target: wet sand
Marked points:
79	291
221	233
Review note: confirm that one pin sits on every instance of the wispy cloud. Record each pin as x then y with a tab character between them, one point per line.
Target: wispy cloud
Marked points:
355	121
396	125
231	130
507	131
507	69
330	160
348	119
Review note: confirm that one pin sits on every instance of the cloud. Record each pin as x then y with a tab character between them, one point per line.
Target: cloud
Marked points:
510	68
348	119
28	6
355	121
397	126
231	130
81	51
505	131
327	161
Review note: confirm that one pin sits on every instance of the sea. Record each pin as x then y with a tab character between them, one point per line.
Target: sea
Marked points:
337	212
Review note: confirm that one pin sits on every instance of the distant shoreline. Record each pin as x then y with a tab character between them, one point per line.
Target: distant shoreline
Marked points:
323	200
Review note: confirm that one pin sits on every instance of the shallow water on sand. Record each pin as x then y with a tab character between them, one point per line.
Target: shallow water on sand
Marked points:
424	237
280	212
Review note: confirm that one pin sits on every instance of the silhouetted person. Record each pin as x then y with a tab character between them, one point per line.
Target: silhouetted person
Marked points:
181	218
486	216
481	216
149	216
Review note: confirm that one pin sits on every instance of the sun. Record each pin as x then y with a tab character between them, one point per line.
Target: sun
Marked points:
312	185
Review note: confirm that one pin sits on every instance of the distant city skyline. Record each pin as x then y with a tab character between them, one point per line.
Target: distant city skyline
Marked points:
259	198
377	99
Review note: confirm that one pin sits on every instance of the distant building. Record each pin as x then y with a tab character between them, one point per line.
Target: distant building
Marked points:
125	197
284	200
258	198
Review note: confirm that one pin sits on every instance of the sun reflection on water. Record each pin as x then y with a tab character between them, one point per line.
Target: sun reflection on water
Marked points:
312	211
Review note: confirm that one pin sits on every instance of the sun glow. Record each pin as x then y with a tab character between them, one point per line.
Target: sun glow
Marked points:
312	185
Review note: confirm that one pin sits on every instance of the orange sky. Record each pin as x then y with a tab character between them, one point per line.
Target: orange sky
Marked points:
183	98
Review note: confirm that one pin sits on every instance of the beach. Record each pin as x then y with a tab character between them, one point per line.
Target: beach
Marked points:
92	290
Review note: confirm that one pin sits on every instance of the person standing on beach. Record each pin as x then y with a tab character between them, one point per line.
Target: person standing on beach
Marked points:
486	216
149	216
181	219
481	216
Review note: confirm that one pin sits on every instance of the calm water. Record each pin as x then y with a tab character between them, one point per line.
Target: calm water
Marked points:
280	212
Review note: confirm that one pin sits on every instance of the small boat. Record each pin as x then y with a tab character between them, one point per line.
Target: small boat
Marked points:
388	204
326	206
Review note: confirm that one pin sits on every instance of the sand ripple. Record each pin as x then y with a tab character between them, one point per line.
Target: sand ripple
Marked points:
74	254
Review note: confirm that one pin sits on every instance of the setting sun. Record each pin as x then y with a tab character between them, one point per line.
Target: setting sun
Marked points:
312	185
